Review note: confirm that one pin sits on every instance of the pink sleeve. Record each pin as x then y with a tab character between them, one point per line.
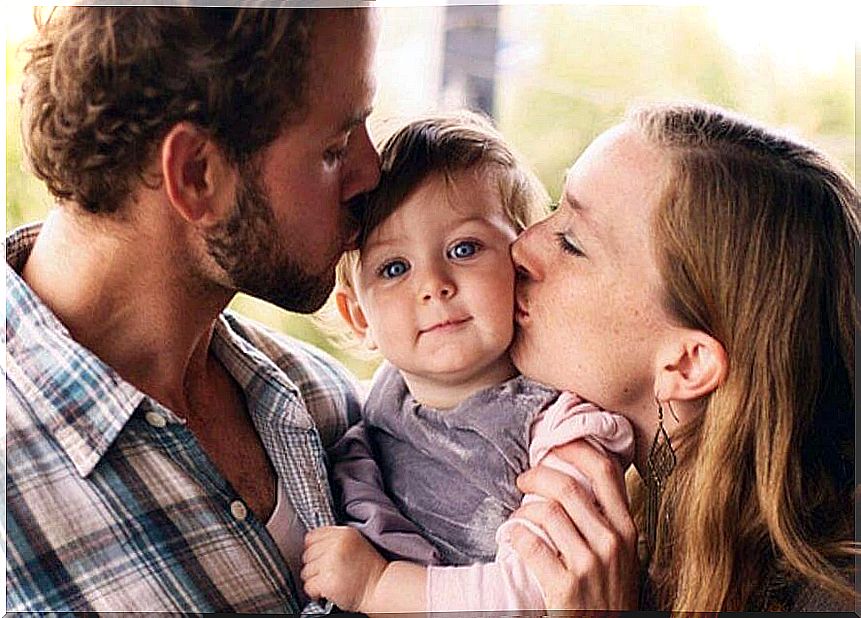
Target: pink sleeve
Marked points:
499	585
569	419
505	584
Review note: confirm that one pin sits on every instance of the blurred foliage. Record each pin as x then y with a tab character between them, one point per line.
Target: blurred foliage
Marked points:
597	60
592	63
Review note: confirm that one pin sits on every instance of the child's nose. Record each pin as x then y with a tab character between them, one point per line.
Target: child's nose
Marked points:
437	286
444	292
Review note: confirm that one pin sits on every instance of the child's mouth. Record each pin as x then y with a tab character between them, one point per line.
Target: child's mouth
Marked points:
446	325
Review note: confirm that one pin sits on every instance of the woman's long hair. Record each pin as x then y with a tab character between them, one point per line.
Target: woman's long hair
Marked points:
755	241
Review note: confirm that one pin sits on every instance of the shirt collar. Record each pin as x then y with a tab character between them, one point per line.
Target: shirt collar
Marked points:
269	392
73	394
84	403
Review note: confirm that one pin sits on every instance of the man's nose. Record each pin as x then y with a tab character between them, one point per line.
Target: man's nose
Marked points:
363	173
356	211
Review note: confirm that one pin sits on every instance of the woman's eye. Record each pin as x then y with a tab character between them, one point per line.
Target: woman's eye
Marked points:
393	269
568	245
463	250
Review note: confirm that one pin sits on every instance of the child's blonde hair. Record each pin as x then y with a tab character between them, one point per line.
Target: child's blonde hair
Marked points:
446	144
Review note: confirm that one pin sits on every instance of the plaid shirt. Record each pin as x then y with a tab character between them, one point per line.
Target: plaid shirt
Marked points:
111	504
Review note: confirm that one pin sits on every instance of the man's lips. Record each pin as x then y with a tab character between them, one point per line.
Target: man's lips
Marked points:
445	325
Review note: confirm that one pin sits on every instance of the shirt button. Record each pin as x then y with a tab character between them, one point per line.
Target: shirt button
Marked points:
155	419
238	510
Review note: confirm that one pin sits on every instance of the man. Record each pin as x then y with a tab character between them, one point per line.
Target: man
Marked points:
165	455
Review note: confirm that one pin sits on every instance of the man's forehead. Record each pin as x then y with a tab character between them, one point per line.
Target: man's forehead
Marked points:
332	26
341	64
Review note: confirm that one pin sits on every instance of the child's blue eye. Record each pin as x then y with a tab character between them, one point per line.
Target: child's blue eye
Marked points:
393	269
463	249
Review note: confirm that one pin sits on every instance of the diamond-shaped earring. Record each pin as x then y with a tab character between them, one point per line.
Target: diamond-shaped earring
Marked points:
659	465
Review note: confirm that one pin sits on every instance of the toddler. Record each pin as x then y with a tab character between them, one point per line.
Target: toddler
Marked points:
428	476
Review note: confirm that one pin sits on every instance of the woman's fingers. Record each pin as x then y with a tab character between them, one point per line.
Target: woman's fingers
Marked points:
607	481
535	553
607	504
592	529
558	526
585	539
562	585
568	501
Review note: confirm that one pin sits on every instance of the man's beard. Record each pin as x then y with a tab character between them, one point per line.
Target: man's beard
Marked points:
248	247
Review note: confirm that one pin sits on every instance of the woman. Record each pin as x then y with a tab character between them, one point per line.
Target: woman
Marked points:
697	276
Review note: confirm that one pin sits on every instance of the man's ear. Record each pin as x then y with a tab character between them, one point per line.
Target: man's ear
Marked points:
197	177
351	312
692	367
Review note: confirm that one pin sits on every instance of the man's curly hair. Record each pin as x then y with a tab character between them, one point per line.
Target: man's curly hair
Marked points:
104	85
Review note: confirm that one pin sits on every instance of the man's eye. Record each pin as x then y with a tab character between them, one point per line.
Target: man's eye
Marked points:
393	269
463	249
335	155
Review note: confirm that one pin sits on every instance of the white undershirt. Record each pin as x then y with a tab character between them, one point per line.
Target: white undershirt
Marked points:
289	535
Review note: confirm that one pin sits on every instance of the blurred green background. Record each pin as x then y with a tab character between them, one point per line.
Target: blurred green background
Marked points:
566	73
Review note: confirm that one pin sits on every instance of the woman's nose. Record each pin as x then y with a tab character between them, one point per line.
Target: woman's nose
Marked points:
525	263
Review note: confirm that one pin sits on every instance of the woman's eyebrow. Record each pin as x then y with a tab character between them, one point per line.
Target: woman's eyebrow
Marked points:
580	209
567	196
582	212
573	203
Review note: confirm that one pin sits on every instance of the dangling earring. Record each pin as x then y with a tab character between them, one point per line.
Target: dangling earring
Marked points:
659	466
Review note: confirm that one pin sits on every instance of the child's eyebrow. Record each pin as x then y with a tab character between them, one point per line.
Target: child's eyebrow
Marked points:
382	242
480	219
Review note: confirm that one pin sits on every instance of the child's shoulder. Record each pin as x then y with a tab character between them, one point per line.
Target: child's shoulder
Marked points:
521	386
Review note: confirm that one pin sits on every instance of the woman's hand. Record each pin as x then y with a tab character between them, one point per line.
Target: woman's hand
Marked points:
596	567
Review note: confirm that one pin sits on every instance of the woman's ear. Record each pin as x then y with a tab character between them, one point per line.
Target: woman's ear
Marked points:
197	177
351	312
692	367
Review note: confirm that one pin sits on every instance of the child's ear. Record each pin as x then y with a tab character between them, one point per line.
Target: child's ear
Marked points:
352	314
